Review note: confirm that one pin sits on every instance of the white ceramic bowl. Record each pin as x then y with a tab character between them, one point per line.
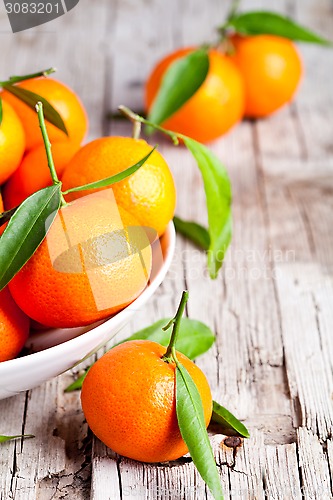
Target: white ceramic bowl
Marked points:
59	350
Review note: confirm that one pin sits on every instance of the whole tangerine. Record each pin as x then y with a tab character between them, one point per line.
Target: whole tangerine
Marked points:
87	268
271	68
128	399
149	194
33	173
63	99
12	142
14	327
2	228
216	106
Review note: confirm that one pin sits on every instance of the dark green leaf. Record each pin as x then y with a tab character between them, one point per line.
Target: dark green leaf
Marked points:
195	338
193	231
4	439
218	198
0	110
262	22
5	216
108	181
31	99
192	426
228	421
182	79
26	230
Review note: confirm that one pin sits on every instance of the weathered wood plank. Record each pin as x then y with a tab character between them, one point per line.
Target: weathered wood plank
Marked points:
303	292
281	475
316	481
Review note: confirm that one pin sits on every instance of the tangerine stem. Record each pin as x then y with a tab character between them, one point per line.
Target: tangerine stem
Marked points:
233	9
16	79
134	117
170	355
48	146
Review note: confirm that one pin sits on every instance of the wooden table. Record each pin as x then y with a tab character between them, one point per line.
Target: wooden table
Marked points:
272	307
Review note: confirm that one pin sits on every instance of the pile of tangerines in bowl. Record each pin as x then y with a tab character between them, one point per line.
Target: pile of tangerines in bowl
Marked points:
45	289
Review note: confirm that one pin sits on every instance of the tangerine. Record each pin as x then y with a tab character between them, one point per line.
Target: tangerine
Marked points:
271	68
216	106
63	99
128	399
149	193
2	228
12	142
14	327
87	268
33	173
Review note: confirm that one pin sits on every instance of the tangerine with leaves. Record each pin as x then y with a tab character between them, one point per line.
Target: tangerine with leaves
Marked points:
63	99
214	108
87	268
12	142
149	193
128	398
271	68
33	173
14	327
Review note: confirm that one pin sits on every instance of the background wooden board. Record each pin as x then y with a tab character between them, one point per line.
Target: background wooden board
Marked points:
271	307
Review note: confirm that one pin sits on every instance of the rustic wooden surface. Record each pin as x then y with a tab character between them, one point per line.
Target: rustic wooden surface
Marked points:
272	306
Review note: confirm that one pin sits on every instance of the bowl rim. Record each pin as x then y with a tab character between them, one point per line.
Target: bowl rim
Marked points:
118	319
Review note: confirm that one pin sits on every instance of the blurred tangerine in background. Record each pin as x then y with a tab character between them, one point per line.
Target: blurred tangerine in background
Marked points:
271	68
216	107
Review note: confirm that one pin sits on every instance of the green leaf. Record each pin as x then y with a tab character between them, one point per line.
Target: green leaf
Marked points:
228	421
218	198
5	216
192	426
108	181
195	338
4	439
182	79
0	110
262	22
26	230
193	231
31	99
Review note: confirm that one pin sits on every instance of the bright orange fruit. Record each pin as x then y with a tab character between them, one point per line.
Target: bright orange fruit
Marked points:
2	228
14	327
12	142
33	173
63	99
149	194
87	268
216	107
128	399
271	68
